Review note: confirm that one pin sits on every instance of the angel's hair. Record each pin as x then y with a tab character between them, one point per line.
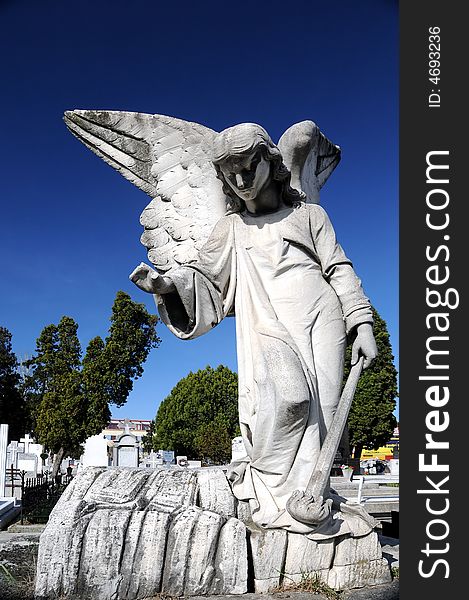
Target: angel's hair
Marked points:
244	139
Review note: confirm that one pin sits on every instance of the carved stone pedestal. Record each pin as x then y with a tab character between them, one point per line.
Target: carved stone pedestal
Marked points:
282	558
127	533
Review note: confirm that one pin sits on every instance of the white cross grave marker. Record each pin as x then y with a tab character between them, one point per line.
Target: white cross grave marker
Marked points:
26	441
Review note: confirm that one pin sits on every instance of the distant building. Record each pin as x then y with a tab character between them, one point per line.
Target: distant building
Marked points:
116	427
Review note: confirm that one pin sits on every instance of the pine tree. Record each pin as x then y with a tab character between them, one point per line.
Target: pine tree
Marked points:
59	422
72	397
12	404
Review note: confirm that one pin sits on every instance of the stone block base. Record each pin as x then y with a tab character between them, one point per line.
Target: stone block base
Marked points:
129	534
342	563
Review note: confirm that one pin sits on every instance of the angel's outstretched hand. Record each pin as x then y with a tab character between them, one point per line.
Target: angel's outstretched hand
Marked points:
148	280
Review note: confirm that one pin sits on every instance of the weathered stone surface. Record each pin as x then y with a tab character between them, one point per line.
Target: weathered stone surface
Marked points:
129	534
231	561
143	556
59	548
215	493
268	550
72	553
77	488
61	544
263	586
172	488
243	512
306	557
353	550
358	562
99	572
117	486
190	554
359	574
205	554
132	533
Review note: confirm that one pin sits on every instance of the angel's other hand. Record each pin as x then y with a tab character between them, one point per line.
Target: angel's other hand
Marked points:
148	280
364	345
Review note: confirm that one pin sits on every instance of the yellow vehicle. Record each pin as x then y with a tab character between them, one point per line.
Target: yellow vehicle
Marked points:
383	453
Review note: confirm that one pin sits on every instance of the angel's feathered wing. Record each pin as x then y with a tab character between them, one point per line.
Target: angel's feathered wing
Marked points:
169	159
310	156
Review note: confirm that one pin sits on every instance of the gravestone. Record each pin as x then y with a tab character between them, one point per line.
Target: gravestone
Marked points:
26	461
12	454
194	464
126	451
182	461
238	451
153	460
3	457
27	440
168	455
37	450
25	455
95	454
8	508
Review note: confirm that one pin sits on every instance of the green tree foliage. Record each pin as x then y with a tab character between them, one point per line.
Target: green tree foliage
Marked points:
58	398
371	421
147	440
213	441
71	395
200	416
131	335
12	405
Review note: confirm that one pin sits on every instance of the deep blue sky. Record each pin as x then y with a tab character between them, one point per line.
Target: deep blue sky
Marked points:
69	224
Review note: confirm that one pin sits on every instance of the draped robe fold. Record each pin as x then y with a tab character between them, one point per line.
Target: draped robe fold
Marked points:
295	295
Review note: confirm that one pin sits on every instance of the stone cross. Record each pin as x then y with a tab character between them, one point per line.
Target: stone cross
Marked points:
126	426
3	457
26	441
154	460
12	454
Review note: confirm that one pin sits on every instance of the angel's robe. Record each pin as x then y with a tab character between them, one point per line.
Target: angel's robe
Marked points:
295	295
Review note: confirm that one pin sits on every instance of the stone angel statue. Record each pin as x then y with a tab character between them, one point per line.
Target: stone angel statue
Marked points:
234	228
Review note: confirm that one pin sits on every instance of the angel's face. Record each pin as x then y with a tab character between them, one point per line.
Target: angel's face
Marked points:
246	174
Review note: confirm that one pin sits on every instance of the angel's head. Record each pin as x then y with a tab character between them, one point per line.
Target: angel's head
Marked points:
246	159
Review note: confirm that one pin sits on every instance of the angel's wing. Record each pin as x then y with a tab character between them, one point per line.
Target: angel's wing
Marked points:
169	159
310	156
